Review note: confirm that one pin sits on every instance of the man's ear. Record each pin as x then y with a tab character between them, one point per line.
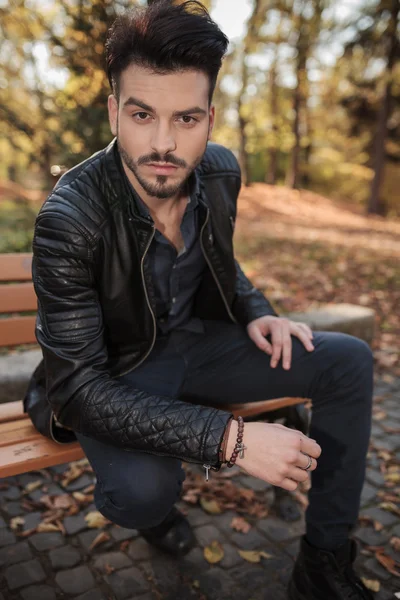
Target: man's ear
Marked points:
113	113
211	121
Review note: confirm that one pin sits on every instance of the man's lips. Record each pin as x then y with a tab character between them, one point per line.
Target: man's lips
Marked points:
162	168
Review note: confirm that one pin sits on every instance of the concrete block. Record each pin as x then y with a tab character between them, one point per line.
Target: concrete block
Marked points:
15	372
345	318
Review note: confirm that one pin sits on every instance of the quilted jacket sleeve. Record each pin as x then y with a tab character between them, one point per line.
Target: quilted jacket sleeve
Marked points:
82	394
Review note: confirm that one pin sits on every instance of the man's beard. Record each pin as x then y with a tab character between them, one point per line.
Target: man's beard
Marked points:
160	189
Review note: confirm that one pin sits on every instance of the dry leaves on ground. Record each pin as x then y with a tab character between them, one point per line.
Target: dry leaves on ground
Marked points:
220	494
254	556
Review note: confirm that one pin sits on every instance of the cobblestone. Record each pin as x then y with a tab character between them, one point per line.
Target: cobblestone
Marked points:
36	592
127	583
6	537
24	574
51	566
75	581
115	560
64	557
252	540
91	595
46	541
15	553
75	524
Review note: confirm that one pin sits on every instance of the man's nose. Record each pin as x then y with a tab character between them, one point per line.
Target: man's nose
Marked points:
163	140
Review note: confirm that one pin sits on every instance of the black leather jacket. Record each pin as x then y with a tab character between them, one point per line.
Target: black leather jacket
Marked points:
96	305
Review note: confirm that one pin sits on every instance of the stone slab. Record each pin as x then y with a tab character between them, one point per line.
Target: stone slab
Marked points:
343	317
15	372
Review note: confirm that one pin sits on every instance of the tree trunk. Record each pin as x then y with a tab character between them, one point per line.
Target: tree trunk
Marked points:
243	157
271	174
375	204
292	175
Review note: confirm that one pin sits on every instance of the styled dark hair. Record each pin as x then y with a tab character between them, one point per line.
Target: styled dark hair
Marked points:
165	38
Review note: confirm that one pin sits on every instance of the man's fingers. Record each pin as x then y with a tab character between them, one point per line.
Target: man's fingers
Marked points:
277	342
289	484
310	447
287	348
304	337
303	462
259	340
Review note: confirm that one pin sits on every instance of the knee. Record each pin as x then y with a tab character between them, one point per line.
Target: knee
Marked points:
358	353
140	503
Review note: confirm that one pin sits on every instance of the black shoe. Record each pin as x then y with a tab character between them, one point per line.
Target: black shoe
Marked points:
174	535
323	575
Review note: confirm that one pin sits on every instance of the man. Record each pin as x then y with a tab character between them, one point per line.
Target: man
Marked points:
145	318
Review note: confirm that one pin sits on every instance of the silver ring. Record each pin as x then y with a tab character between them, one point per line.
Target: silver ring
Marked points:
309	462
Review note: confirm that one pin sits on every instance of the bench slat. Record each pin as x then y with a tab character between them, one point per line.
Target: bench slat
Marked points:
255	408
36	454
16	431
17	330
17	297
16	267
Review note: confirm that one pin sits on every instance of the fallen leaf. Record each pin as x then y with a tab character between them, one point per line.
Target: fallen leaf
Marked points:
390	507
240	524
392	477
395	542
16	523
79	497
34	485
371	584
214	552
95	520
379	415
210	506
108	569
378	526
63	501
61	527
124	545
265	554
46	528
99	539
252	556
89	489
389	563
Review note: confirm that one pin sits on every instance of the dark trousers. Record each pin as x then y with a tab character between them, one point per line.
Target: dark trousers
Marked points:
137	489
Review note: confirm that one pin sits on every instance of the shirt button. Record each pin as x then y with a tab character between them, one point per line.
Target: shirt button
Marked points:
173	300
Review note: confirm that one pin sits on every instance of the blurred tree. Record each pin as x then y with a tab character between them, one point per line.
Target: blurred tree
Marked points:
373	98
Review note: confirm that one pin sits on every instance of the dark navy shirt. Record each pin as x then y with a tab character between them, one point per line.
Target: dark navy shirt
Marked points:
176	277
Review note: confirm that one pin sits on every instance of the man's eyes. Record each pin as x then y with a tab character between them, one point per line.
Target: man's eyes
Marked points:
185	119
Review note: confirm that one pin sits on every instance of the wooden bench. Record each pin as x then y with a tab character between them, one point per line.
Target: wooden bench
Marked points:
22	448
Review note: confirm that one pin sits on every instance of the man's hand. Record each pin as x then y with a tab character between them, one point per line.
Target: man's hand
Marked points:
280	329
275	453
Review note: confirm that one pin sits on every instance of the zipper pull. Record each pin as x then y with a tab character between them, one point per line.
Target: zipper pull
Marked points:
207	468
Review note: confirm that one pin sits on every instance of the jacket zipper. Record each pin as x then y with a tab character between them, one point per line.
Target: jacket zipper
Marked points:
212	270
150	309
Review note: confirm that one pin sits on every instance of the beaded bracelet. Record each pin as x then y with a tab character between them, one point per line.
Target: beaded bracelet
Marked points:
239	446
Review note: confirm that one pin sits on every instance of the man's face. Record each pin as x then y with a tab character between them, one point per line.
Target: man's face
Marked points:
162	123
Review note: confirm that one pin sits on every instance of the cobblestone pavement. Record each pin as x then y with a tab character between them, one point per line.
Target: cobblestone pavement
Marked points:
50	565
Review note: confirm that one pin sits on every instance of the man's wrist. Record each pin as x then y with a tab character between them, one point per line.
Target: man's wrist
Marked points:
232	437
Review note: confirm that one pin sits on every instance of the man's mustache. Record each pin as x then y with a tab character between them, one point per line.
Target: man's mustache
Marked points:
157	158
